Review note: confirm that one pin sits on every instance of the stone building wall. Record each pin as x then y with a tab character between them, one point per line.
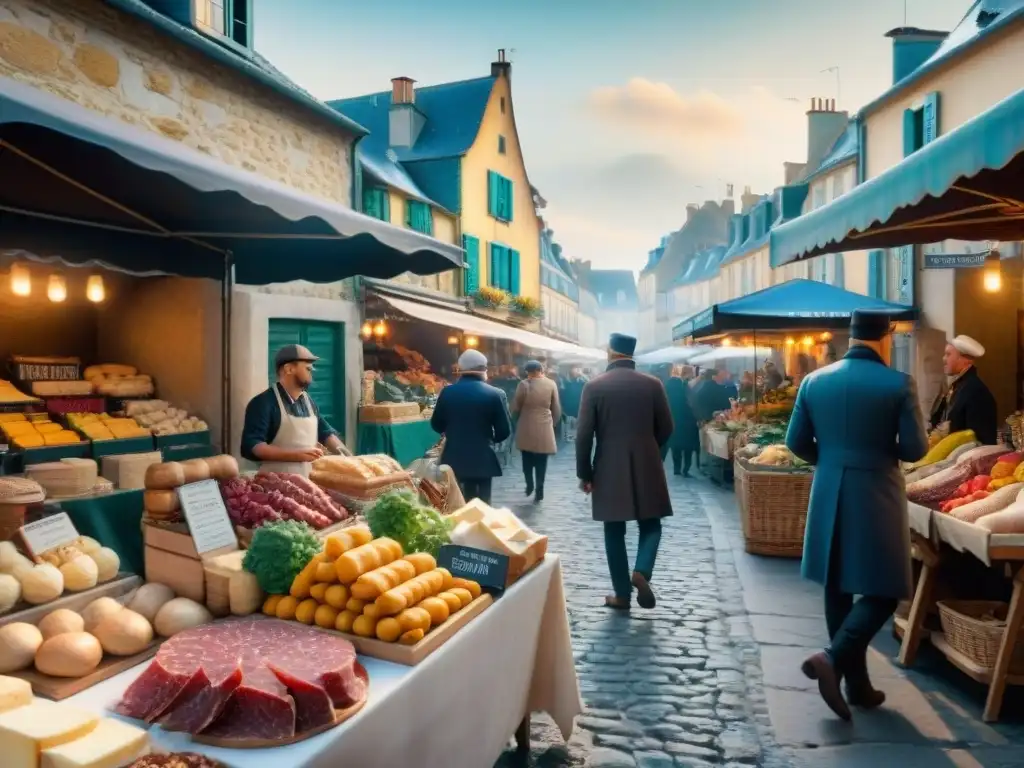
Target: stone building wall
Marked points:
119	66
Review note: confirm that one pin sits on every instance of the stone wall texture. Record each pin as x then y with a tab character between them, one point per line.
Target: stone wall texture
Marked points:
121	67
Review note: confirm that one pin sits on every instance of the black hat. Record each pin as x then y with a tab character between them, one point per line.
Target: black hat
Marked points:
293	353
869	324
533	366
621	344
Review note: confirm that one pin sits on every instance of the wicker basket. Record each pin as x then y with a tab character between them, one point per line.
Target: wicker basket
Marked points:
773	508
975	629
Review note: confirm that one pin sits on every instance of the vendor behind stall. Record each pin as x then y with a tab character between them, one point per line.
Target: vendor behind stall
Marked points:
283	428
966	402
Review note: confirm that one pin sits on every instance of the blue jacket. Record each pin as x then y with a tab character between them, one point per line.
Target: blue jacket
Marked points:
473	416
855	420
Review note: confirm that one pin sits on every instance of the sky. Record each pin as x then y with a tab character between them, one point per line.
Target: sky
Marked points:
627	110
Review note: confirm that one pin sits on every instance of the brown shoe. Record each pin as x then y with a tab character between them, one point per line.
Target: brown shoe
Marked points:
864	695
644	593
819	667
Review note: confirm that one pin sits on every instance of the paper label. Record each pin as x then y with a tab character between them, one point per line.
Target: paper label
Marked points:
48	532
207	517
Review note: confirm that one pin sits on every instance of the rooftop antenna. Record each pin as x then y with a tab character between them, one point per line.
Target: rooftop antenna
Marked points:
904	13
838	83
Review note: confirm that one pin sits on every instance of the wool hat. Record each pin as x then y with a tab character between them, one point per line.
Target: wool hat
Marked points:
621	344
967	347
869	324
533	366
472	360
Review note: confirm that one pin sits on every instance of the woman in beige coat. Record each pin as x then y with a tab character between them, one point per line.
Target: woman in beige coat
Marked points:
537	409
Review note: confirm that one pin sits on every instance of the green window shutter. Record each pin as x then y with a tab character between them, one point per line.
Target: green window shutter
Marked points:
410	214
493	193
372	202
930	118
502	261
471	272
876	274
513	272
508	199
385	205
492	266
419	216
909	132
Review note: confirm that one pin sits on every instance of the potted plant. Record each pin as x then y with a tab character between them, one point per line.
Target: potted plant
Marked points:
525	307
491	298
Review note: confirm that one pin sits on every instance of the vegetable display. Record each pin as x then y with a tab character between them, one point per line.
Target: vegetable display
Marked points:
944	447
278	552
271	496
399	515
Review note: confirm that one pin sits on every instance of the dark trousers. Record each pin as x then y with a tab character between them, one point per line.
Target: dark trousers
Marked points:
852	624
535	470
477	488
682	458
618	560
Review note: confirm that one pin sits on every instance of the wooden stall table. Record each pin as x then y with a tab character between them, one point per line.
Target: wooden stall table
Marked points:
1005	550
458	707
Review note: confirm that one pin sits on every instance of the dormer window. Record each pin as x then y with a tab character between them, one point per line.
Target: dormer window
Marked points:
228	19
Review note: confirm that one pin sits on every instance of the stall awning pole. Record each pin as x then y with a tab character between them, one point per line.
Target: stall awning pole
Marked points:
227	290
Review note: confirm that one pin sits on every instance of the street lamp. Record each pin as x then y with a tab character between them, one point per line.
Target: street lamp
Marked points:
992	278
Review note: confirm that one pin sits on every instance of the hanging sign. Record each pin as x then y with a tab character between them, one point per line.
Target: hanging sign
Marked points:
953	260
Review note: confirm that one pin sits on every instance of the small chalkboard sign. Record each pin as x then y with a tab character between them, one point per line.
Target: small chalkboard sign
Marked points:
488	569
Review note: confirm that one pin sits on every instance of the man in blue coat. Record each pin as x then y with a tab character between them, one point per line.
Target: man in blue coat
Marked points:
855	420
473	416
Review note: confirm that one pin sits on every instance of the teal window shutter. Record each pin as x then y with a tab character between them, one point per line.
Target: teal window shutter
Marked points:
385	205
876	274
493	193
372	202
930	118
418	216
471	272
840	270
909	132
494	265
513	272
508	199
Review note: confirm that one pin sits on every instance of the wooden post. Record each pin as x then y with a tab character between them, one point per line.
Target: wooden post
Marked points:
1014	617
929	557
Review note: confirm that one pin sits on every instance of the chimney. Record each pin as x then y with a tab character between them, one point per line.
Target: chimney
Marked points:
748	200
728	207
824	126
691	211
912	47
502	66
405	121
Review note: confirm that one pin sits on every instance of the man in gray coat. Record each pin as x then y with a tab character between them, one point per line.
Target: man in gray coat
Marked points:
627	413
856	420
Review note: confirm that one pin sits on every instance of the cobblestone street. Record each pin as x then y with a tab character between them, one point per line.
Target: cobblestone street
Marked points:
675	686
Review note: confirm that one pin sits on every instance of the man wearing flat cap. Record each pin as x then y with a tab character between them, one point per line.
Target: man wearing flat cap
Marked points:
856	420
473	416
283	429
966	402
627	414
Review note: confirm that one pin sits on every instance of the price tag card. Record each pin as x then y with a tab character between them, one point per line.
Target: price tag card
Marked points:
488	569
207	517
48	532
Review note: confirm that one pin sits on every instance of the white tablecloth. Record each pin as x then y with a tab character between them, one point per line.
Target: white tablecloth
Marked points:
459	707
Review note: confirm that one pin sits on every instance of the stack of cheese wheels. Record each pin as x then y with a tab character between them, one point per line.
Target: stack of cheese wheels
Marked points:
163	480
370	588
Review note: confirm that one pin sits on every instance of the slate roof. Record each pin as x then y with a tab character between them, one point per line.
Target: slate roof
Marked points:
704	266
983	19
845	149
606	283
391	174
254	65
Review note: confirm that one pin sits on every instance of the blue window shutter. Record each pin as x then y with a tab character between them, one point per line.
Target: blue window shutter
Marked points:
492	265
513	272
385	205
876	274
840	263
930	118
909	132
508	199
471	272
493	193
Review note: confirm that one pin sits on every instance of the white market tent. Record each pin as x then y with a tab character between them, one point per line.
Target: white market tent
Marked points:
732	353
668	355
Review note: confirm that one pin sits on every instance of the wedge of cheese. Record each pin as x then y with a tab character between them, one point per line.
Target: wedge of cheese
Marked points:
26	732
110	744
14	693
473	512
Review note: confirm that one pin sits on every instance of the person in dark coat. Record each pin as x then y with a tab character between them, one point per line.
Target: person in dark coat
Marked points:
473	416
772	376
685	440
856	420
626	413
573	392
967	403
709	396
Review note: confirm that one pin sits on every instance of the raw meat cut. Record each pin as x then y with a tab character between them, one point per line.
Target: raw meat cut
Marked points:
252	678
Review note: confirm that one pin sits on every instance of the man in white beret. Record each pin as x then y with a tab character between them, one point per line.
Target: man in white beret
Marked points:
966	402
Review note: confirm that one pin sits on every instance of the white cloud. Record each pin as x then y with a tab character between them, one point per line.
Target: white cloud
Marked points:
658	109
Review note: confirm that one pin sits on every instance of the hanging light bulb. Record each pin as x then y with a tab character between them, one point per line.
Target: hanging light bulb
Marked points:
726	342
808	341
826	336
992	278
453	341
94	289
380	329
21	280
366	330
56	288
472	342
790	341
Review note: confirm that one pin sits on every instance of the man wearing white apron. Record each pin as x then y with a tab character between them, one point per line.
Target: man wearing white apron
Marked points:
283	429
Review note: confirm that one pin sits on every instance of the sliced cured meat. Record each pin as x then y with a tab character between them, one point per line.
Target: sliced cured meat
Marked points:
313	707
247	678
203	697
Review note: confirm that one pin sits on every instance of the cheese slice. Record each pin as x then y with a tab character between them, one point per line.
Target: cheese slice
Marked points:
26	731
110	745
14	693
473	512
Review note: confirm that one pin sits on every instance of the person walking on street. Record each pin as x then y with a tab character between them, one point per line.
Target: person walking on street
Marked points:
626	413
857	540
537	409
685	440
473	416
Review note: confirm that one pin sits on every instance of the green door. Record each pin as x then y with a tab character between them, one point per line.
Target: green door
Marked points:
326	341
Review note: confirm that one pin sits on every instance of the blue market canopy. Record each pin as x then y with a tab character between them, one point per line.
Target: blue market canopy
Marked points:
84	186
965	185
790	305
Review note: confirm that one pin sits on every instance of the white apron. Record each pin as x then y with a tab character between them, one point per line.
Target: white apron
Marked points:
296	434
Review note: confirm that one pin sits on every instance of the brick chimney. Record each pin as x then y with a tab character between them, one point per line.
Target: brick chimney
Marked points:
912	47
501	67
824	126
405	121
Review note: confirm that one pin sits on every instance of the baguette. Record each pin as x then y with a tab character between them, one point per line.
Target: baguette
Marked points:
326	573
354	563
414	618
464	596
372	585
301	584
471	586
422	561
413	591
437	608
338	543
411	637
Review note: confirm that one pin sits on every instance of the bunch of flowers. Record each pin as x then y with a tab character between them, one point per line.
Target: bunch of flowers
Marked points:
526	305
490	297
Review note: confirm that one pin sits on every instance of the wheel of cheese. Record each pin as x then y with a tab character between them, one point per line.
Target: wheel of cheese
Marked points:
72	654
195	470
164	477
161	502
223	467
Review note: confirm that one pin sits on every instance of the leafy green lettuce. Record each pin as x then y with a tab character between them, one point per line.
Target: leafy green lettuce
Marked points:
278	551
399	515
